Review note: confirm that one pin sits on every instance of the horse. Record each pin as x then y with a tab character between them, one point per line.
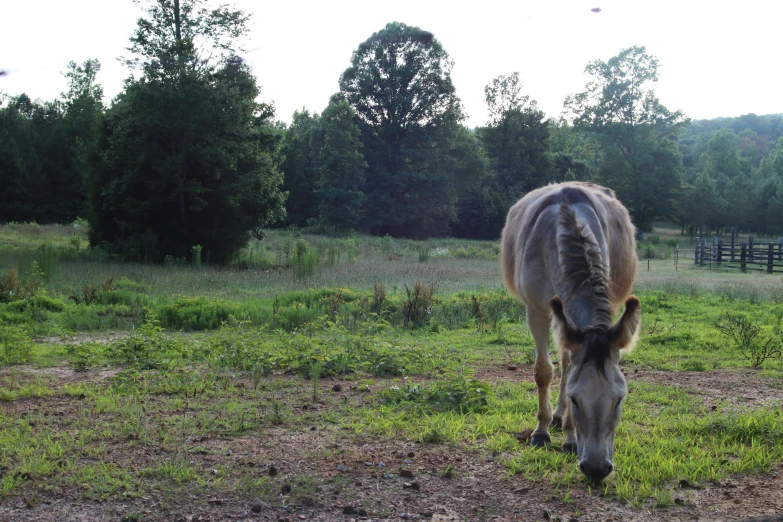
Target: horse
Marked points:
568	253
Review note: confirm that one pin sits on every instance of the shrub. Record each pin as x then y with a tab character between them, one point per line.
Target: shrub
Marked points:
15	345
746	337
417	308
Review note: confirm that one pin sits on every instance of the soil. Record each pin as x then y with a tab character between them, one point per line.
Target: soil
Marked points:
331	474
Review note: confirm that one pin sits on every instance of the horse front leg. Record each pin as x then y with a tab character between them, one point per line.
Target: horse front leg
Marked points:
561	409
563	405
539	327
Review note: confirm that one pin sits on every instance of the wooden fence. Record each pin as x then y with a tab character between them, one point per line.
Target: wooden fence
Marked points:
749	255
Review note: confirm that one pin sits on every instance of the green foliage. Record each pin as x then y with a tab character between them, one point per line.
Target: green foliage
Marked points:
461	393
746	336
342	168
638	134
147	347
417	307
300	153
15	344
304	260
188	151
409	116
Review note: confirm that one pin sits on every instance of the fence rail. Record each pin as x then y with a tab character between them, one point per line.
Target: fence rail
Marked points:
763	257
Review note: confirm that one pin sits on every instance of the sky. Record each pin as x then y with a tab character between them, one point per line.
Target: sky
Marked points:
717	58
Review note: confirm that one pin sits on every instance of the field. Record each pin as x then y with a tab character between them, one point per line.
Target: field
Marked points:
362	378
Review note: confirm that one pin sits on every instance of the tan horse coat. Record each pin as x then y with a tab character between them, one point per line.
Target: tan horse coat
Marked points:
574	242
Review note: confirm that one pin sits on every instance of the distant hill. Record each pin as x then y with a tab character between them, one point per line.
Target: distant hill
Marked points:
769	125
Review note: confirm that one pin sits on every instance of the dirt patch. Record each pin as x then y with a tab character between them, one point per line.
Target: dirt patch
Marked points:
321	472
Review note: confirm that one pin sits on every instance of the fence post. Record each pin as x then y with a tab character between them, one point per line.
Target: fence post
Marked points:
780	249
703	251
744	257
696	251
750	248
714	251
733	237
770	257
719	253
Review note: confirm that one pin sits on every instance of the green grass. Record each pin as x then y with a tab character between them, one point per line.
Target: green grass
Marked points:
211	354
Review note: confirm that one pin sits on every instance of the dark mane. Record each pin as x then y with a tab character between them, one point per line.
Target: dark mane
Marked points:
583	267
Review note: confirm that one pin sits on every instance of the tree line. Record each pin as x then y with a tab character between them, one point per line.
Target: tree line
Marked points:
187	155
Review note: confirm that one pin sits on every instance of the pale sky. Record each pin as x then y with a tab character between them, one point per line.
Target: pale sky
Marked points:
717	58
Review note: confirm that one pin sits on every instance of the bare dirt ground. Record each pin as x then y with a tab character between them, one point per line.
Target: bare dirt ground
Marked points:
332	474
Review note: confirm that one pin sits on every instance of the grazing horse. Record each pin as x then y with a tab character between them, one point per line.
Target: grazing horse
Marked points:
568	251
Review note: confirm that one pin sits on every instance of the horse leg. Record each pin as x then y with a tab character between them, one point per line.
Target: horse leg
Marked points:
539	328
569	446
560	409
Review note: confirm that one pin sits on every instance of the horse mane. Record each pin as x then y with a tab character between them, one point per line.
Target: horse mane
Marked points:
583	267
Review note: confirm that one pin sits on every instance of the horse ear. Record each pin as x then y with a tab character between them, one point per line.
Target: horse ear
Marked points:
563	335
625	332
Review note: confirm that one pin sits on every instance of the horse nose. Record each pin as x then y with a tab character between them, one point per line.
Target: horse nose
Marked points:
598	472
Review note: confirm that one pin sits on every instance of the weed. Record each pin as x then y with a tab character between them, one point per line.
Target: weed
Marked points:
417	307
378	298
745	334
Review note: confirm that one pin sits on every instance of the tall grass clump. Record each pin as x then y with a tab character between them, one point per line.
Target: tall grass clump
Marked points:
304	260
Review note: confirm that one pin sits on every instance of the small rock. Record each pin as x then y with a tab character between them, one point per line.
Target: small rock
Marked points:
404	516
341	467
302	517
361	512
520	491
408	461
257	507
381	465
406	485
286	489
214	472
229	453
685	484
272	471
337	387
415	486
215	501
524	435
406	473
427	514
547	515
313	428
512	367
679	501
349	510
411	454
368	463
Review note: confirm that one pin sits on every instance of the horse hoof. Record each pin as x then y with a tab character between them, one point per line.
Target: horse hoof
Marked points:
557	422
540	440
569	447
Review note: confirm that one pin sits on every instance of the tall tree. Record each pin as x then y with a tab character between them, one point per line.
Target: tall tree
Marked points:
300	164
638	133
188	156
399	84
516	144
341	200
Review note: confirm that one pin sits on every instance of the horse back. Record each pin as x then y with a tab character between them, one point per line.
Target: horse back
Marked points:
529	251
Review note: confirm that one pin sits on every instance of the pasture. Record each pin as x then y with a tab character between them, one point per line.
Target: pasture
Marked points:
381	379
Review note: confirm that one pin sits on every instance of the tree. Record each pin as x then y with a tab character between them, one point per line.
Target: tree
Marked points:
516	144
638	134
300	153
341	200
188	151
399	84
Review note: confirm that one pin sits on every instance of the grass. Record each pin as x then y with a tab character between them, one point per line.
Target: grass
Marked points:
211	362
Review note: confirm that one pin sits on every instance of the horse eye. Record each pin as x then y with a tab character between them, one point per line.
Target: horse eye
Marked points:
574	403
